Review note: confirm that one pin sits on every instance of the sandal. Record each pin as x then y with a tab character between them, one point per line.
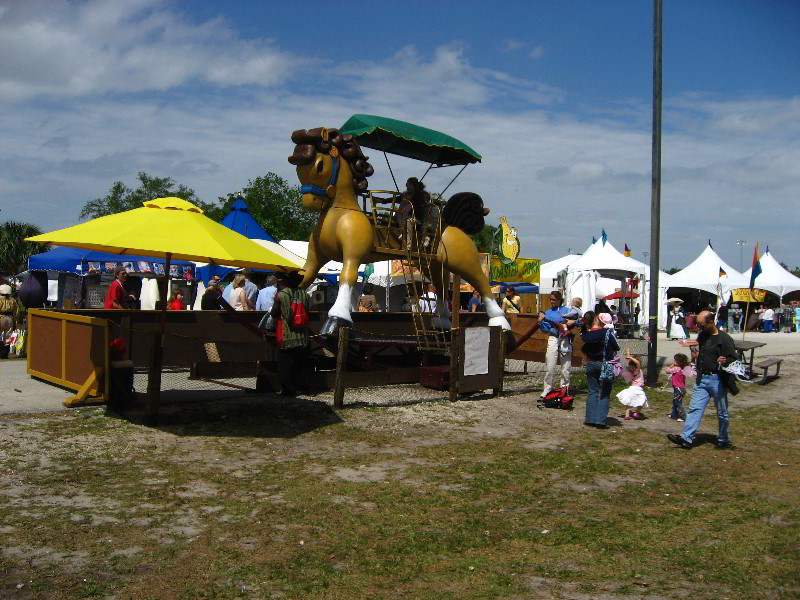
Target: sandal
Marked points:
638	416
627	418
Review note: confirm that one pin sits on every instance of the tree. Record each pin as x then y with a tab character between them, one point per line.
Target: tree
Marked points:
274	204
486	240
14	250
672	271
121	198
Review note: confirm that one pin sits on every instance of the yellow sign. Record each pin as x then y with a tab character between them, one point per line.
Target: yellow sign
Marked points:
521	270
746	295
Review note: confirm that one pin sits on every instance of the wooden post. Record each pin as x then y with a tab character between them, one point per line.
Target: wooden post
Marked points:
498	391
341	367
455	332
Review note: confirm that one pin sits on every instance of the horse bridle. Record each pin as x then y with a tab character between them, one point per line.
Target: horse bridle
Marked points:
328	192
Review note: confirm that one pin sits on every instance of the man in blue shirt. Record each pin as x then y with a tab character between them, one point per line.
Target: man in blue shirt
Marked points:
250	290
555	323
266	297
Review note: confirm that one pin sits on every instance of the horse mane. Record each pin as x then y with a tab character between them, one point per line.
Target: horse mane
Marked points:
465	210
320	139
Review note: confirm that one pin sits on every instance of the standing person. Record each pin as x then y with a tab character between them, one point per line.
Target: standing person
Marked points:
599	344
11	315
210	299
368	302
554	323
176	301
250	289
711	350
116	297
511	301
678	372
766	315
633	397
722	317
266	297
676	329
601	307
238	298
475	304
293	348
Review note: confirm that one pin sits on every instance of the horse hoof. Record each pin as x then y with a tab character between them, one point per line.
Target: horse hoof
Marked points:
331	326
501	322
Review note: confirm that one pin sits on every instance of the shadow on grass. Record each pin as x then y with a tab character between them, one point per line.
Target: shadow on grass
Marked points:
260	416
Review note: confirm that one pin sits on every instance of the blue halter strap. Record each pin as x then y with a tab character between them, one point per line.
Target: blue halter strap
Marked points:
331	189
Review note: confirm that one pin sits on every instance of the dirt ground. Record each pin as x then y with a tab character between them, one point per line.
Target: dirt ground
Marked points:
93	505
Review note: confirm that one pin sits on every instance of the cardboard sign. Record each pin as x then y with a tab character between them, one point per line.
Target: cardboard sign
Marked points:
521	270
747	295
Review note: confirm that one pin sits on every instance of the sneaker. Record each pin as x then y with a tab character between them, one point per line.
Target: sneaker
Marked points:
726	445
679	441
679	420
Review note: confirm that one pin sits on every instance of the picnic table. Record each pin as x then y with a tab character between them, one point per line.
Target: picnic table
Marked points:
743	346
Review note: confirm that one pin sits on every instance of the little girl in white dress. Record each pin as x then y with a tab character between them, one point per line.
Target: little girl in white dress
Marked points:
633	397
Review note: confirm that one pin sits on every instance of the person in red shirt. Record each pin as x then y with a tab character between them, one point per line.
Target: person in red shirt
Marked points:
176	302
116	296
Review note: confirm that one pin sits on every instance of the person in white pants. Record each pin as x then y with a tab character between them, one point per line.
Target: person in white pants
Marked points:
554	322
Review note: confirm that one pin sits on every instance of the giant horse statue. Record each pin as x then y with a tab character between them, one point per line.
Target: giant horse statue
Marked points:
332	170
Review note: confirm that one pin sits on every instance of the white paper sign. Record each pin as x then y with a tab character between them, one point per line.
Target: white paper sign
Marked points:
476	351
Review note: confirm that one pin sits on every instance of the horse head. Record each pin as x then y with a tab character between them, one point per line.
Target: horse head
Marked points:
330	165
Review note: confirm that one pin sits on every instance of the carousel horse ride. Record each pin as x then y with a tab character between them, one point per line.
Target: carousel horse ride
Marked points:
333	170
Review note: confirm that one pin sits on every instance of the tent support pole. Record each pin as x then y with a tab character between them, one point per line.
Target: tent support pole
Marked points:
655	206
157	356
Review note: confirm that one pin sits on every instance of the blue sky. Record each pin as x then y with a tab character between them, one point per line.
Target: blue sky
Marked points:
556	96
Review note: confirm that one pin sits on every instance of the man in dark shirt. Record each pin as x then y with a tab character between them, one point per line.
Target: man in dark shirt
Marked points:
712	350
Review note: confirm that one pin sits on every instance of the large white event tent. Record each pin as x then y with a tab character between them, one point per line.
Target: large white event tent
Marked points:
704	274
586	276
773	277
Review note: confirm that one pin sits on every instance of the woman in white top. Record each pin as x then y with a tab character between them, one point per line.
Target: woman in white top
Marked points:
238	297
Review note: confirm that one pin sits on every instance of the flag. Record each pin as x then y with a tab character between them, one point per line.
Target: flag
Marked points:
594	240
722	272
755	271
627	250
604	237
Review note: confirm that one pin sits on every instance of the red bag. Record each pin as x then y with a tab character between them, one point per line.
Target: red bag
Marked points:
557	398
298	313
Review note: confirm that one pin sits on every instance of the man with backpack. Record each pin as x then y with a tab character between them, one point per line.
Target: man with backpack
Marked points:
291	310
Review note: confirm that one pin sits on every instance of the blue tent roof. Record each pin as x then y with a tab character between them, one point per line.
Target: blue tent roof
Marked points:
241	221
76	260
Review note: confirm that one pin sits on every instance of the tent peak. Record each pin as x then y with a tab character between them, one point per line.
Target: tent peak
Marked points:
172	203
240	204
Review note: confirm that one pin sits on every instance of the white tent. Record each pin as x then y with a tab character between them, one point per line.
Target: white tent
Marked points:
548	272
773	277
704	274
299	248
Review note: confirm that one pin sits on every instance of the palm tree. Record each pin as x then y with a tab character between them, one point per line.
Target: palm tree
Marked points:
14	250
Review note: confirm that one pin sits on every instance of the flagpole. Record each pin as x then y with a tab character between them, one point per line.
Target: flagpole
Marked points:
655	203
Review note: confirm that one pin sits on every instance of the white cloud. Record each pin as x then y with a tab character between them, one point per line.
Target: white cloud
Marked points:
52	48
536	53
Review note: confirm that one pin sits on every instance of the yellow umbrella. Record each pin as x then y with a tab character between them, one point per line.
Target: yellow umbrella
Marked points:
168	228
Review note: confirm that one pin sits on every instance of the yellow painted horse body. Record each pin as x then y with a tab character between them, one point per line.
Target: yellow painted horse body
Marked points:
331	169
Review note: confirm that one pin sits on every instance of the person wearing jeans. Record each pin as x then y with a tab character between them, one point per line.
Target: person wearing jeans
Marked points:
712	350
597	349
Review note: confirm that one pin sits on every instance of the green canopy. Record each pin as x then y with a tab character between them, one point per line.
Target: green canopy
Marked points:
407	139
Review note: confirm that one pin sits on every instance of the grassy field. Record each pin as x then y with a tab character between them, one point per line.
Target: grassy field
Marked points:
484	499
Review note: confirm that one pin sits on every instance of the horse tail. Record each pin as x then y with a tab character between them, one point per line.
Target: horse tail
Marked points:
465	210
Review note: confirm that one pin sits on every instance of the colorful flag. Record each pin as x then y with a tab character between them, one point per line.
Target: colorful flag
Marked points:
627	250
594	240
722	272
756	269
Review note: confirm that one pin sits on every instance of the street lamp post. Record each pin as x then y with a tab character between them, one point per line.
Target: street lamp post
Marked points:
741	246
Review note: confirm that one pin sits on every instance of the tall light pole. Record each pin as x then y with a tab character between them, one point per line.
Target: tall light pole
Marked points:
655	204
741	245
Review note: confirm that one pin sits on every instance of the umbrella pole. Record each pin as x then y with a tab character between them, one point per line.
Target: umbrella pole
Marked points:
157	356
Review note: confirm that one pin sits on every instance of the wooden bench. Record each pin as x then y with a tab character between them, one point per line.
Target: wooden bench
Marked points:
766	364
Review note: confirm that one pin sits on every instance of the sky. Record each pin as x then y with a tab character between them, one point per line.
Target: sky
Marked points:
555	96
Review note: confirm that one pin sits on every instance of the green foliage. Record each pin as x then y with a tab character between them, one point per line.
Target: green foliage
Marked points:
486	240
14	250
274	204
121	198
672	271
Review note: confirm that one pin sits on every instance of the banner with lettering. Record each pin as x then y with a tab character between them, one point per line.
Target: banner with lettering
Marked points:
521	270
748	295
